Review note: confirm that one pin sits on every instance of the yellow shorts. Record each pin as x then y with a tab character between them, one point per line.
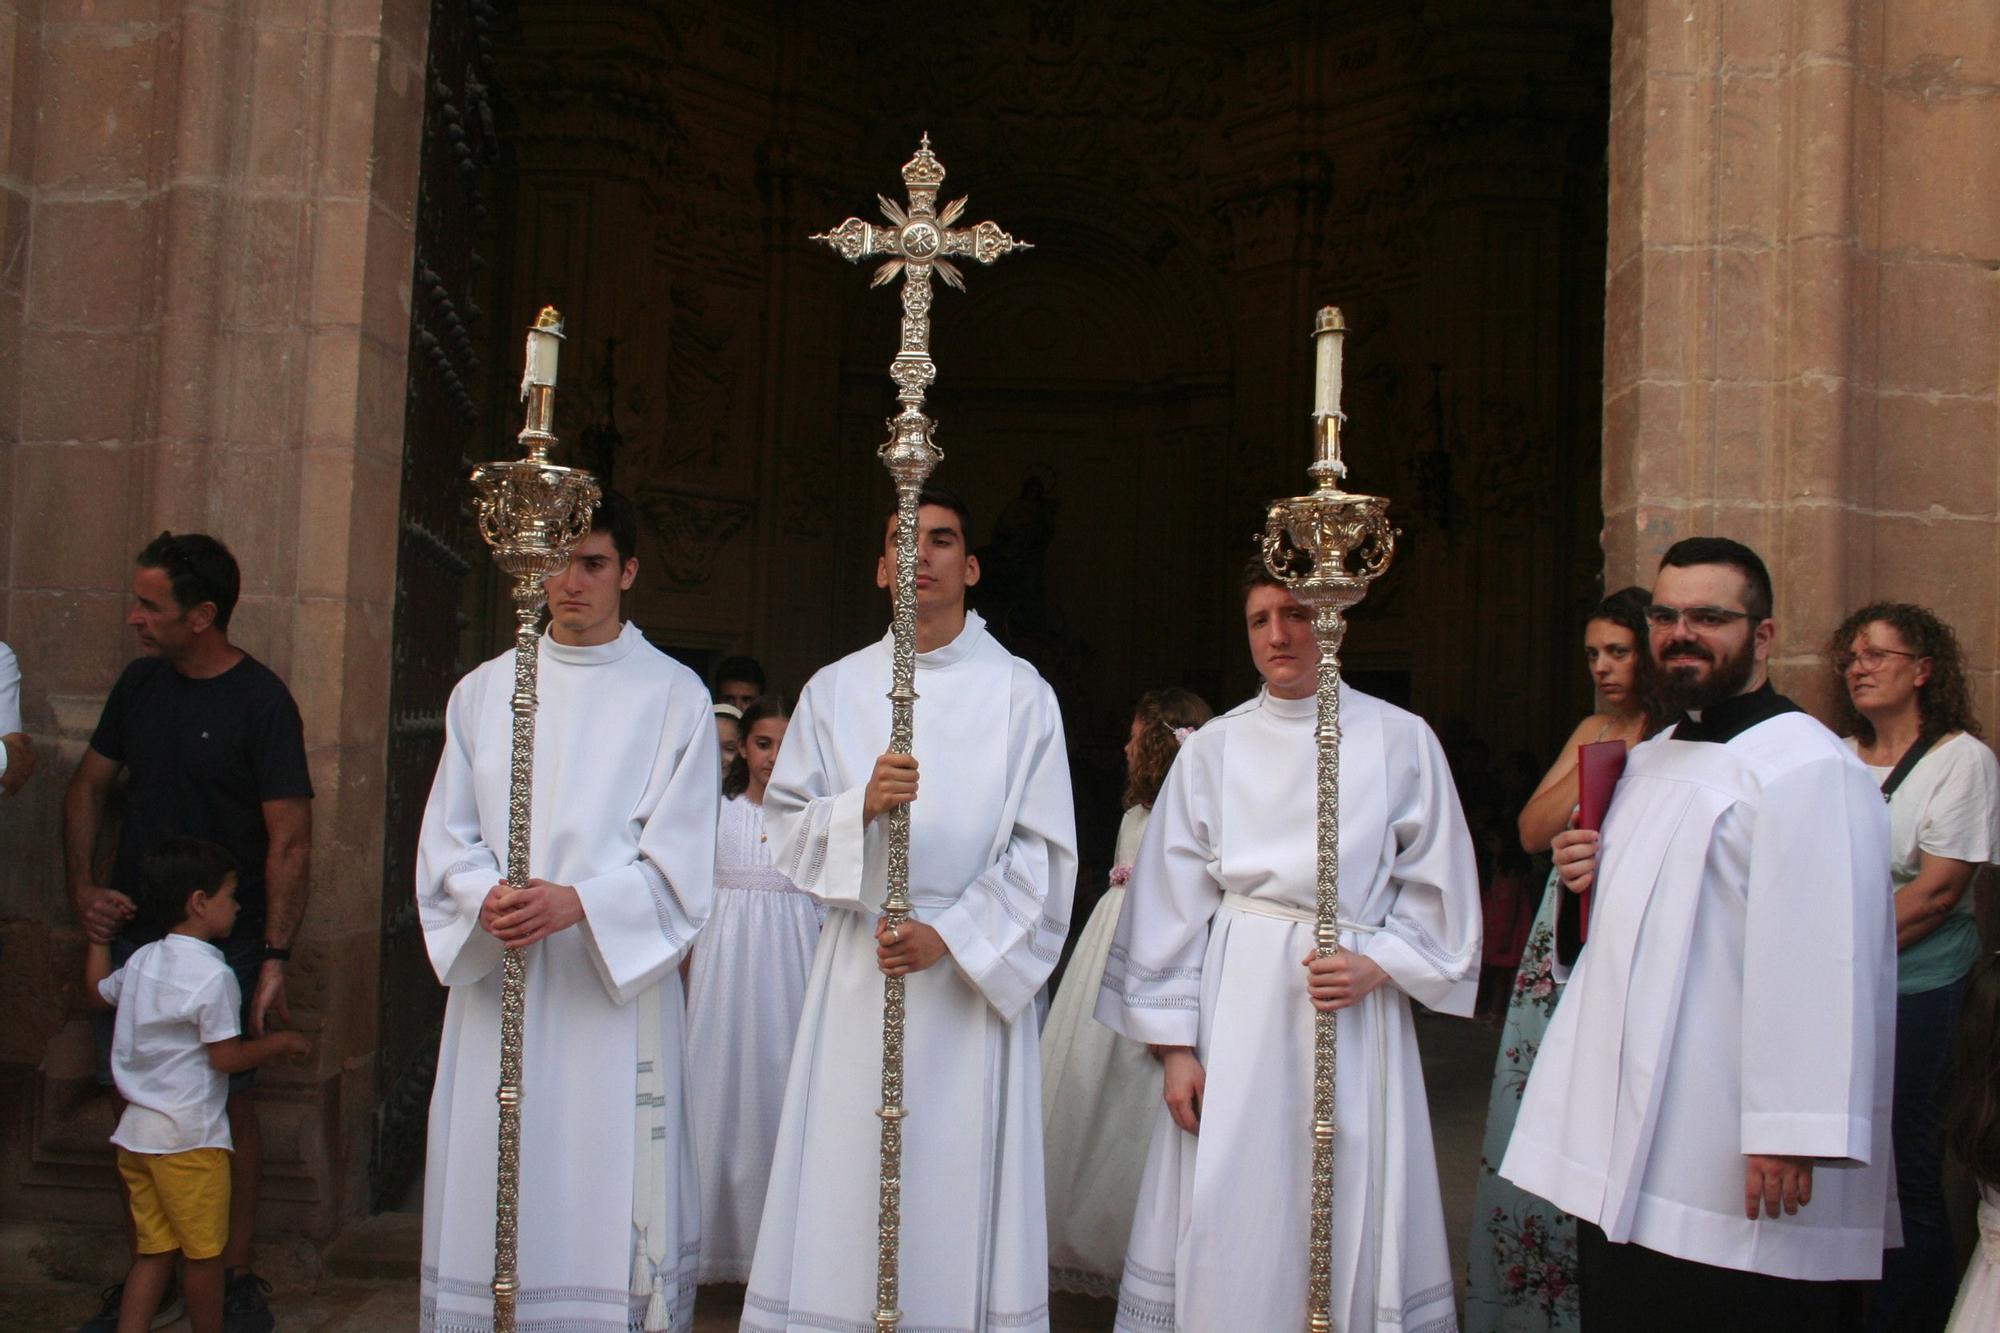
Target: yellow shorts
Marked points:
180	1200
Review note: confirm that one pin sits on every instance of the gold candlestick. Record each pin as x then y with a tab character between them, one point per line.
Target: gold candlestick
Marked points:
1327	547
918	243
532	513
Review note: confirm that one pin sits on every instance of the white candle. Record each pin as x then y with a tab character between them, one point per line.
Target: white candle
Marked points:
1328	329
544	349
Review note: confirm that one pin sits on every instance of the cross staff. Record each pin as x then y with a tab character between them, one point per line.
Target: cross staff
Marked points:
920	242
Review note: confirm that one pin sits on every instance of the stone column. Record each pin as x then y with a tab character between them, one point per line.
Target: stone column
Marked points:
1802	305
206	211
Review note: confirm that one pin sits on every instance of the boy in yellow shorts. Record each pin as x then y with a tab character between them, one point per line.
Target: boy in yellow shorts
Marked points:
176	1040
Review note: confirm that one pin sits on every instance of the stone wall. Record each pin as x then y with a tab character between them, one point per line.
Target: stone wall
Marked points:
1802	305
205	223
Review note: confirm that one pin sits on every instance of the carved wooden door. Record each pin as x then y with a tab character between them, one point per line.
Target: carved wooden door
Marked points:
441	570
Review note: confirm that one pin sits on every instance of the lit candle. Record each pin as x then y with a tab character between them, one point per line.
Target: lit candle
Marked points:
1328	329
544	347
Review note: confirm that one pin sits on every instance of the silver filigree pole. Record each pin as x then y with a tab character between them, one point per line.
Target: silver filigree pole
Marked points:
920	241
1327	547
531	514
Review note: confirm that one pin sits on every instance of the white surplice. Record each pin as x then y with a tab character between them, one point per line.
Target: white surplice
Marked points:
992	868
624	810
1210	955
1737	995
1099	1093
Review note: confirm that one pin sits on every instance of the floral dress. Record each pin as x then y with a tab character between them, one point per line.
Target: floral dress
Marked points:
1522	1252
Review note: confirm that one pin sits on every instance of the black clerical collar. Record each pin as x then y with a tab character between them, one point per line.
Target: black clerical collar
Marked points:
1734	716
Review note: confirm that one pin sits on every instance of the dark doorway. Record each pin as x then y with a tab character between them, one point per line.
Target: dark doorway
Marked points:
455	413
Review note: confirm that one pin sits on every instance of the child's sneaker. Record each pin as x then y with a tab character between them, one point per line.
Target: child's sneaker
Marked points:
244	1309
106	1318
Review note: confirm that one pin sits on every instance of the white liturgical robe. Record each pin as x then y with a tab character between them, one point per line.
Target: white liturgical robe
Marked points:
624	811
1209	954
1737	995
992	868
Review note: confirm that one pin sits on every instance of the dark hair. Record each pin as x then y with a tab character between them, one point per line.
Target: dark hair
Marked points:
176	870
1722	551
1972	1116
1626	609
1944	703
1256	574
1158	714
739	668
619	517
199	568
944	499
737	780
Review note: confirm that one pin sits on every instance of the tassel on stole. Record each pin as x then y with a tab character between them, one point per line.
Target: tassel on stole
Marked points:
642	1269
659	1316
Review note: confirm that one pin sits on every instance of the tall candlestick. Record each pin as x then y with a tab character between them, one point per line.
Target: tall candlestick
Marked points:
1327	548
531	512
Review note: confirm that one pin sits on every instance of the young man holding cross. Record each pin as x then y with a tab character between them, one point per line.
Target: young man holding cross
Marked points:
992	868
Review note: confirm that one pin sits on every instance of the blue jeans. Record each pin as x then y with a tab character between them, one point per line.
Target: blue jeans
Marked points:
1920	1280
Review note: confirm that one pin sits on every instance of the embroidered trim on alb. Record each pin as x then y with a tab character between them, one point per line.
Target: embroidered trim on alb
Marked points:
660	887
1138	972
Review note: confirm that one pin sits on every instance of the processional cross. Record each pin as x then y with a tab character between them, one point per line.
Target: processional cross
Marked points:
920	241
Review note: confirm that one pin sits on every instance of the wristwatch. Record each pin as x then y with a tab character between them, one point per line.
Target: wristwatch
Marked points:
271	953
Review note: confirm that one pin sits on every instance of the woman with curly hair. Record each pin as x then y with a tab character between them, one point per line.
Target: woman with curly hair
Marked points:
1099	1090
1522	1252
1907	715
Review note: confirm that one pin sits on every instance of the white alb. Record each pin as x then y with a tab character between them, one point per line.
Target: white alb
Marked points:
624	811
992	868
1210	953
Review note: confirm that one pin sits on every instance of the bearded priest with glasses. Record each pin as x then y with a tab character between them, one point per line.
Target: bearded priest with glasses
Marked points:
1712	1097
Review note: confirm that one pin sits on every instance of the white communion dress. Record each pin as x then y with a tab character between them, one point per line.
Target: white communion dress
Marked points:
746	988
1099	1095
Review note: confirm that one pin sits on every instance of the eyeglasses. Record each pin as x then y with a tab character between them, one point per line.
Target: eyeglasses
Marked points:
1697	617
1869	659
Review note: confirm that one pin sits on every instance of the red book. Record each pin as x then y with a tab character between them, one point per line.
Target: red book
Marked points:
1597	768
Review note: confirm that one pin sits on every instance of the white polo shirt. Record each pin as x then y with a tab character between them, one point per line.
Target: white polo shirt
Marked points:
174	996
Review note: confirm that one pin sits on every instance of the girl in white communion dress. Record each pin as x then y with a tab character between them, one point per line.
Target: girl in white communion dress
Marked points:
1100	1091
746	986
1972	1135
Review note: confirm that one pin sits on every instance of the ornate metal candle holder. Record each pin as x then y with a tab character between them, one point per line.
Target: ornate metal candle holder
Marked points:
920	241
532	513
1327	547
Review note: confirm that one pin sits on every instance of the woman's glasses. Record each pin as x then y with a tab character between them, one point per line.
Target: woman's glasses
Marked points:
1868	659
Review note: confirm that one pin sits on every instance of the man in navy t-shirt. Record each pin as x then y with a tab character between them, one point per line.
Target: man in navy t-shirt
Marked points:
214	749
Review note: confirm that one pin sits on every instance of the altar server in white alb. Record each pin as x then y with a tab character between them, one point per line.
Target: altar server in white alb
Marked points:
1213	966
992	868
621	867
1712	1097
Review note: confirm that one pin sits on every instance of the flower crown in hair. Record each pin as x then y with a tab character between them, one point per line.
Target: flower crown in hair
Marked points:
1182	733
